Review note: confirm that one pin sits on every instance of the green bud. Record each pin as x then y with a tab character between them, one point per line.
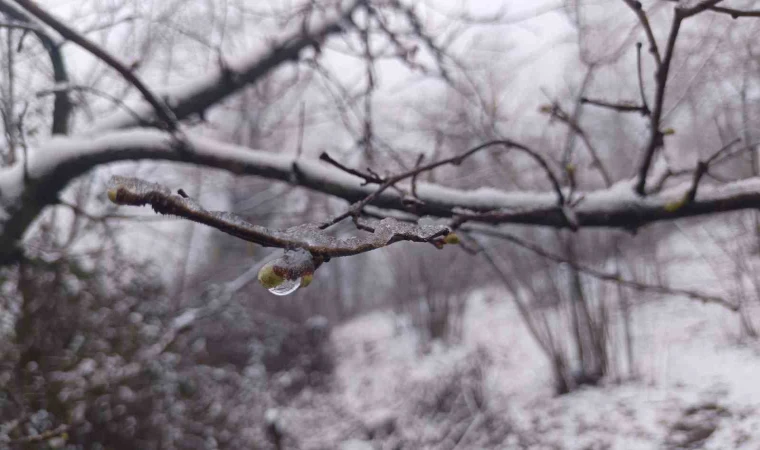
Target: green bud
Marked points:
675	205
268	278
112	194
451	239
306	280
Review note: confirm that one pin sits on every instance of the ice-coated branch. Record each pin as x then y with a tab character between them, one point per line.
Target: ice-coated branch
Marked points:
309	237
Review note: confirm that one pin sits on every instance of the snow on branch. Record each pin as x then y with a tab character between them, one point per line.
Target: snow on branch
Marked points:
64	159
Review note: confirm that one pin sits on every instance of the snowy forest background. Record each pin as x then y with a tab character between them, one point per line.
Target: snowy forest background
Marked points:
616	319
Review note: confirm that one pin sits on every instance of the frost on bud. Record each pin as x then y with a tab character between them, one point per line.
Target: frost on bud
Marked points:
451	239
293	269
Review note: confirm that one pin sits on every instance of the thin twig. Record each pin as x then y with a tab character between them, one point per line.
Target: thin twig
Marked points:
93	90
598	274
368	177
638	9
640	71
661	77
414	177
619	107
301	126
735	13
356	208
702	168
62	106
557	112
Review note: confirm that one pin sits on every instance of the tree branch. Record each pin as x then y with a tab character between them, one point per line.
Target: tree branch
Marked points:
600	275
197	96
63	159
661	77
310	237
62	104
162	110
619	107
386	183
735	13
638	9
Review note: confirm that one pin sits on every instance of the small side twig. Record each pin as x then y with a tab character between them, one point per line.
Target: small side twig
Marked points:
624	107
414	177
556	112
598	274
387	182
368	177
638	9
640	71
702	169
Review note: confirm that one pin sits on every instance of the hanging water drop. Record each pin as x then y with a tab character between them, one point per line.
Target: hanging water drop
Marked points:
286	287
291	270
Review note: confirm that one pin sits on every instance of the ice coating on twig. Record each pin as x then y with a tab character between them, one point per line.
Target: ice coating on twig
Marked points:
136	192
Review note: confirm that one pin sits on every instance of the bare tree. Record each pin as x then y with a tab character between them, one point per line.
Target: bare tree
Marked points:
568	177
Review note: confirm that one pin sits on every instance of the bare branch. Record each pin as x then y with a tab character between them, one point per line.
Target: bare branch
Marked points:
62	105
357	207
160	107
638	9
645	106
557	112
414	177
703	167
368	177
100	93
600	275
199	95
661	78
735	13
619	107
698	8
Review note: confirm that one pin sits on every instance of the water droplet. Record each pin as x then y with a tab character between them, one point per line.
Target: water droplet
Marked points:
286	287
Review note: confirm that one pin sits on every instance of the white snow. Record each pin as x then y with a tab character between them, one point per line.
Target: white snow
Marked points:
693	371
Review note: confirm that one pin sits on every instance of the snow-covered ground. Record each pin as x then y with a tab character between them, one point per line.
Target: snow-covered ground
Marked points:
699	387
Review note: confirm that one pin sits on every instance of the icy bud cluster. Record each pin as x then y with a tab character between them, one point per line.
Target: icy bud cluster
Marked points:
291	270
